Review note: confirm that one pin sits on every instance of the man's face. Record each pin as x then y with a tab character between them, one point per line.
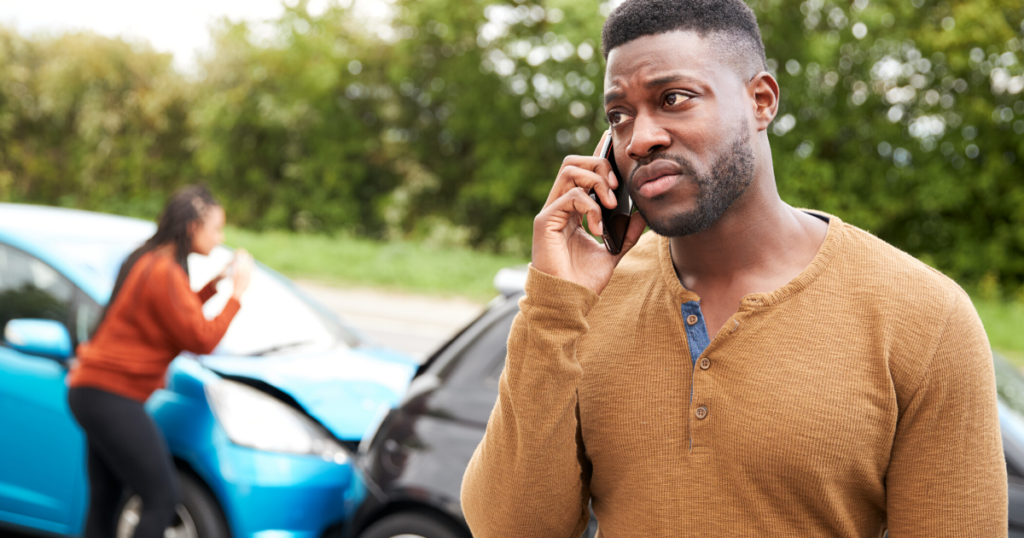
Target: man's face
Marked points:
679	116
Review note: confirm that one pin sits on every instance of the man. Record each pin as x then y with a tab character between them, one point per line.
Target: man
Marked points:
750	369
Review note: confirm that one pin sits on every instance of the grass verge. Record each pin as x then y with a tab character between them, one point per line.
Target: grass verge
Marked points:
417	268
399	265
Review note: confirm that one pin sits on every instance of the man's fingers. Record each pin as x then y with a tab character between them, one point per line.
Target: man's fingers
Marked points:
572	177
596	165
633	233
569	208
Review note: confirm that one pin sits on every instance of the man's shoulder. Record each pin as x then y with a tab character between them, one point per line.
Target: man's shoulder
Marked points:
880	270
908	301
920	312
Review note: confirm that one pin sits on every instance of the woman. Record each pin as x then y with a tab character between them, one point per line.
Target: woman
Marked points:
153	315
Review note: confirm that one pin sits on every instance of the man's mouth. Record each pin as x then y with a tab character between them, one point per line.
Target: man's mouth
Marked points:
657	178
658	186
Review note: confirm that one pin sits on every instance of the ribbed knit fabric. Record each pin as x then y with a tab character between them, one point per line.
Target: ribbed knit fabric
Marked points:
858	397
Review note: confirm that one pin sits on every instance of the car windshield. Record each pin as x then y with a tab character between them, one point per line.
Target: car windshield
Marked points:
275	317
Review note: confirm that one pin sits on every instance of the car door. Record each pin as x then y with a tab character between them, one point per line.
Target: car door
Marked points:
471	386
42	471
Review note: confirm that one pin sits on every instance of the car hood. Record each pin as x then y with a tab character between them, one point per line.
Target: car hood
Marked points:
346	390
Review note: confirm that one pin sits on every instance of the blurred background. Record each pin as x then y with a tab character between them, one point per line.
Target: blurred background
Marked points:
407	144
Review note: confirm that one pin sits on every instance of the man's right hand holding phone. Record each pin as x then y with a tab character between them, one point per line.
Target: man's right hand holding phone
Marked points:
561	245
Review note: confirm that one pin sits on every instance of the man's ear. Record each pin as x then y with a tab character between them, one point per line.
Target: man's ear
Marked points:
764	94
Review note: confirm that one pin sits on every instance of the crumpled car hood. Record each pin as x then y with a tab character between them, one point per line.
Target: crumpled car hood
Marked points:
344	389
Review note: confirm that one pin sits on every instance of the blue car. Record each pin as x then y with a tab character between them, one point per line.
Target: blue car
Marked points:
262	430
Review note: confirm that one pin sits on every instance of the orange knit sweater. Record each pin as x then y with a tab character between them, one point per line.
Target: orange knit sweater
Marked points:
154	318
858	397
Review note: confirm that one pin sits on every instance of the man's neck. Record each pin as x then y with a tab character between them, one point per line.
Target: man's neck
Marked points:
759	245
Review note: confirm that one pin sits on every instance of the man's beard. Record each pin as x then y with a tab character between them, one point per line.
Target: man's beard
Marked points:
730	176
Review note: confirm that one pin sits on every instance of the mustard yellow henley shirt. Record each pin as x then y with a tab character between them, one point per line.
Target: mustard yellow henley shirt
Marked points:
858	397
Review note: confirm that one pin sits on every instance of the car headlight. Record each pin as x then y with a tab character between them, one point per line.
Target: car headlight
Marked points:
255	419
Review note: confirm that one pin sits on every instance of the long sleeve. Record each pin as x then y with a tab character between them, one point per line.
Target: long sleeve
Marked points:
208	291
182	313
529	476
947	476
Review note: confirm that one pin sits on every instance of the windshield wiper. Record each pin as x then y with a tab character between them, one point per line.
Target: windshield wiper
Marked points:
277	348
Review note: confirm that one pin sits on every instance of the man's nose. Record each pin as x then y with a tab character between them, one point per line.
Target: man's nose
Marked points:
648	137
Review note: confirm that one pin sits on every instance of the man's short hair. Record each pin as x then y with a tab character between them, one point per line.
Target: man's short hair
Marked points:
731	23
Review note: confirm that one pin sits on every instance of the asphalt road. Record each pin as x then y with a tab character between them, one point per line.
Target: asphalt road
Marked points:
414	324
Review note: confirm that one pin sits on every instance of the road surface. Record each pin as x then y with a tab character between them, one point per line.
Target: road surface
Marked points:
414	324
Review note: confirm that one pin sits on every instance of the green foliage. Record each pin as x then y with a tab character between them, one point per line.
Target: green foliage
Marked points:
900	118
89	121
287	131
449	121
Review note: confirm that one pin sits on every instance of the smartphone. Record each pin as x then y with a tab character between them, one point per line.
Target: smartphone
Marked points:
616	220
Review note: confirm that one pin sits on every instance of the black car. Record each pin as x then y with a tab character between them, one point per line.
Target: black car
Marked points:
414	464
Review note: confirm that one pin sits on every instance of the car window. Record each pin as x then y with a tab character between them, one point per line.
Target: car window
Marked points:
1009	384
87	317
31	289
476	362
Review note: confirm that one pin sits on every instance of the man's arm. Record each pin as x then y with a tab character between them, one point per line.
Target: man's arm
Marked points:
529	476
947	474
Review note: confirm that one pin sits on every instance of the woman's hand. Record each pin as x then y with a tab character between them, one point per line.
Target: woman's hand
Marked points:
241	268
561	247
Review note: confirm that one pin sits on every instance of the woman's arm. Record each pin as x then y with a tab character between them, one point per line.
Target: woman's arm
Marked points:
180	311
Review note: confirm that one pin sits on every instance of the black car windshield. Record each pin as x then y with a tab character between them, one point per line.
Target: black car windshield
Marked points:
275	317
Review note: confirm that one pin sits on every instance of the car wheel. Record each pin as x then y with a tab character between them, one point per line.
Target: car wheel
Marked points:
198	515
412	525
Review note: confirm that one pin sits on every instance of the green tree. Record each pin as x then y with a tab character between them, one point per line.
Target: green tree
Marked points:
902	118
288	128
89	121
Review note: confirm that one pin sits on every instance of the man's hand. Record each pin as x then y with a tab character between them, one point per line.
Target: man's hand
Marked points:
561	246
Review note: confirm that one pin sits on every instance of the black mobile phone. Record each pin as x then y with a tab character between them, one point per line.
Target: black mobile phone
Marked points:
616	221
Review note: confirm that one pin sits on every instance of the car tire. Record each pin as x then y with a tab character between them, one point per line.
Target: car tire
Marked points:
198	514
413	525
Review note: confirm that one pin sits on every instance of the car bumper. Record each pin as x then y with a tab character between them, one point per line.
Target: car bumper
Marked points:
261	494
268	495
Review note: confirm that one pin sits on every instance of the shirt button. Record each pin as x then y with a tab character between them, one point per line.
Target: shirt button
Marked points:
701	412
691	319
705	363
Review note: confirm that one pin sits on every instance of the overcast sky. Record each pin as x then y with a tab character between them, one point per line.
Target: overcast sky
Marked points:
180	26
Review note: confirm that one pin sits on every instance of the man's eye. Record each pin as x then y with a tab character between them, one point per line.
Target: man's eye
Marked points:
675	98
614	117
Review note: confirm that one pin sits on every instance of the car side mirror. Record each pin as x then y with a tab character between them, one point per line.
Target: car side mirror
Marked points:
42	337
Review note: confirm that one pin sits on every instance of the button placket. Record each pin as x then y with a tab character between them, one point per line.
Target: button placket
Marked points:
698	342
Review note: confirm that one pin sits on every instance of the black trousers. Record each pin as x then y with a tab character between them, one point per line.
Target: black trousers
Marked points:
125	450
